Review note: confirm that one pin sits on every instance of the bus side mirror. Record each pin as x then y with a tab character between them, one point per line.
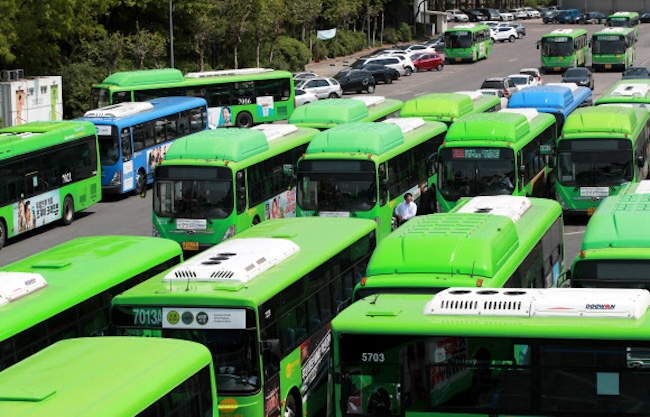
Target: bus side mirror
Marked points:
537	45
432	163
640	161
522	169
271	345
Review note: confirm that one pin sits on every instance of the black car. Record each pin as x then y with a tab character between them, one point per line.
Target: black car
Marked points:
438	43
580	75
590	18
635	73
550	17
474	15
356	80
645	18
381	73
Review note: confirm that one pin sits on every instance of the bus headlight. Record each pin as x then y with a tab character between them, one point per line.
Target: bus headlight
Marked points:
229	233
154	231
117	178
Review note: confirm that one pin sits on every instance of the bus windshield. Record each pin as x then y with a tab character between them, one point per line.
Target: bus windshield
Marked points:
458	40
622	22
607	273
109	149
609	46
99	97
468	172
193	192
557	46
594	162
342	185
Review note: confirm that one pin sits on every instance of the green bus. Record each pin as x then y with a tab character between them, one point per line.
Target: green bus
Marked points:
216	183
467	42
449	107
261	302
495	153
572	352
491	242
564	48
626	20
615	250
48	172
325	114
631	93
112	377
599	150
364	170
240	97
66	291
613	47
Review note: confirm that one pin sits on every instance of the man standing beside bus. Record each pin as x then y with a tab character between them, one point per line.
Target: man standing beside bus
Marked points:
406	209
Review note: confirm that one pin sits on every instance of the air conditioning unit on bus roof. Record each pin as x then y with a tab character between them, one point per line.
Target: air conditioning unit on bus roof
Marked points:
474	95
14	285
510	206
572	86
235	260
120	109
549	302
221	73
631	90
370	101
275	131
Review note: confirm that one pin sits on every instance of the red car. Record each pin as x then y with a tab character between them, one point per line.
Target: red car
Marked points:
429	61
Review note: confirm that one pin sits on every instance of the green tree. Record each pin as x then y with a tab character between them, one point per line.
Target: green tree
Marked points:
8	34
144	44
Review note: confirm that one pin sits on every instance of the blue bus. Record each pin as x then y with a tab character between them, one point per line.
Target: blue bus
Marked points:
134	136
558	99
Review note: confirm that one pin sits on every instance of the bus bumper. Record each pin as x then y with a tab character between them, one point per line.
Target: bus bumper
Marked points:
112	189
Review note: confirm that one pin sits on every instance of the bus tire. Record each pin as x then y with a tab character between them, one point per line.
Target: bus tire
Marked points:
3	233
244	119
290	407
140	182
68	211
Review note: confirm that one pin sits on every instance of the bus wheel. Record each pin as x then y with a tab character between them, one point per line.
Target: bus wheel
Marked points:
140	183
244	119
3	233
68	210
290	407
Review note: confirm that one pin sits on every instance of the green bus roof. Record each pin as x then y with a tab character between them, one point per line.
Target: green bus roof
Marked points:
307	233
571	33
606	121
98	376
222	146
75	271
324	114
403	314
460	247
467	27
373	138
155	78
621	221
448	107
627	91
29	137
505	126
623	14
617	30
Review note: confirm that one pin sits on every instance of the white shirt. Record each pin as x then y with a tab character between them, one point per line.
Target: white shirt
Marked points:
406	210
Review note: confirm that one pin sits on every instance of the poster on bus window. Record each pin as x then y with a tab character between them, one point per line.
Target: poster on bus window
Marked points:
283	205
265	106
33	212
156	155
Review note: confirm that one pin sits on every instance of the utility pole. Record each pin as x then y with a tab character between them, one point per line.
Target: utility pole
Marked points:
171	33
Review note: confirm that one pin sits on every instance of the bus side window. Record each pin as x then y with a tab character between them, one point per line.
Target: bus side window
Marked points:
240	191
126	145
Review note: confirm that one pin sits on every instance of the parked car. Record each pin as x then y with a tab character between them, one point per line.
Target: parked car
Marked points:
303	97
356	80
416	47
381	73
519	13
407	64
323	87
521	30
506	15
496	92
504	33
567	16
523	80
636	73
303	75
474	15
437	43
389	61
505	84
532	13
458	16
490	14
537	75
580	76
550	17
645	18
590	18
430	61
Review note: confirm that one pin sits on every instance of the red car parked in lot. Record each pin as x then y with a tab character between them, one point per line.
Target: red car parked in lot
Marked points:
429	61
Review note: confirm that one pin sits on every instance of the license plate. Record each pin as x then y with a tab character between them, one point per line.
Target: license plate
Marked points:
190	245
556	68
458	59
608	66
591	211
